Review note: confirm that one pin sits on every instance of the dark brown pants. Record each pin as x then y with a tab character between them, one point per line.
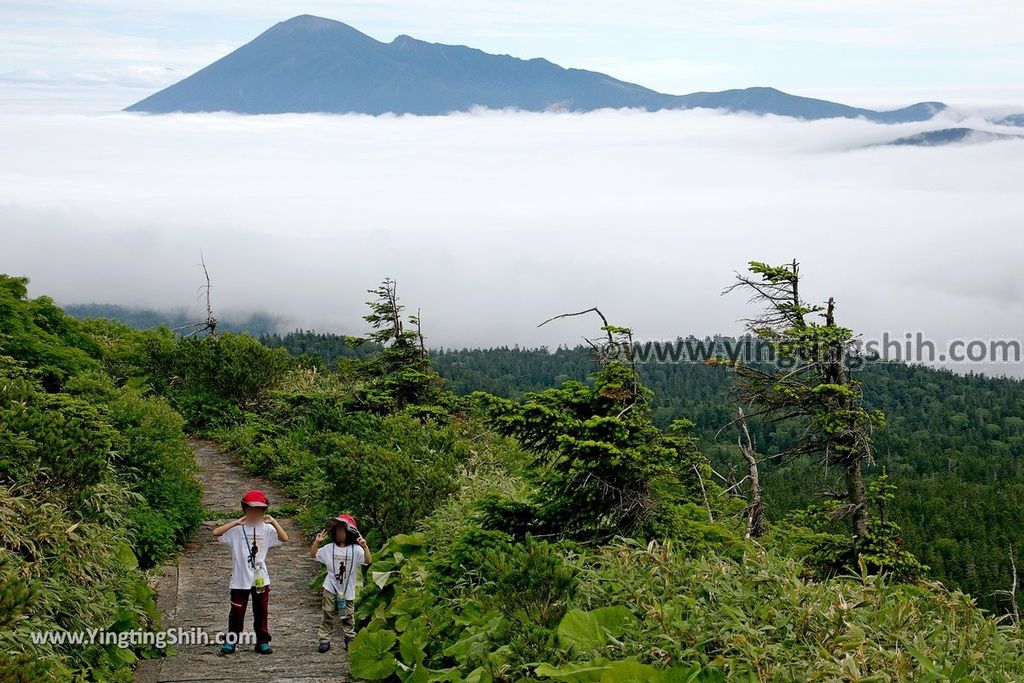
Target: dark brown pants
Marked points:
260	606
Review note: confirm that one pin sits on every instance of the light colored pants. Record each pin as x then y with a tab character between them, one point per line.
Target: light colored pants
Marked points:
329	607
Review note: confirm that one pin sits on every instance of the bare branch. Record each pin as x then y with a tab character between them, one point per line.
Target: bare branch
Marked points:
604	320
704	492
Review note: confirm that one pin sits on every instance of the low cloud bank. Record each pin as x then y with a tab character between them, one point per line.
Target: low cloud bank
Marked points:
492	222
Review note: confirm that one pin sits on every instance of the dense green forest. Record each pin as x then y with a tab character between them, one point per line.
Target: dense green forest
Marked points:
952	444
571	518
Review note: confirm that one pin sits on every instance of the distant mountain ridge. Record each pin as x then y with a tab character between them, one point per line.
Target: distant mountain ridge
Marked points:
178	319
309	64
951	136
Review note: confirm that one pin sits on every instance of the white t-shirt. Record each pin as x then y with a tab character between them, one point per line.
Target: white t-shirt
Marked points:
241	539
342	562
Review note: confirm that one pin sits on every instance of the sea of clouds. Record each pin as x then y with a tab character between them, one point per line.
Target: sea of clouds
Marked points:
494	221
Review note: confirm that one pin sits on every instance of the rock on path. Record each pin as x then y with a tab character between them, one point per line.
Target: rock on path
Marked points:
193	593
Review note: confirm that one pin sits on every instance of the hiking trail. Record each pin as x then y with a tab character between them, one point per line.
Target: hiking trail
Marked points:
192	593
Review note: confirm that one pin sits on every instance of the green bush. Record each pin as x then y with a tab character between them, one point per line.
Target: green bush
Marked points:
146	357
204	411
40	336
602	467
655	613
94	476
532	581
235	367
78	567
813	535
152	455
390	471
470	559
56	440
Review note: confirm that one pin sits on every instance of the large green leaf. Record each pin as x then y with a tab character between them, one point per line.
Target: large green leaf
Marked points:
573	672
412	642
587	631
405	608
370	656
445	675
120	656
125	556
689	674
405	544
629	671
384	578
616	620
420	674
475	641
580	630
478	675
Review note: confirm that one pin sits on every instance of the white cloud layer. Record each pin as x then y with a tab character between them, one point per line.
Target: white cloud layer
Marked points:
492	222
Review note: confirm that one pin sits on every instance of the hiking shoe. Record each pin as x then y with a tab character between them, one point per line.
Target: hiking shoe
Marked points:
264	649
324	646
228	649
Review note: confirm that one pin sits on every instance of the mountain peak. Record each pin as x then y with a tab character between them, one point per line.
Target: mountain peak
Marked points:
405	43
308	23
313	64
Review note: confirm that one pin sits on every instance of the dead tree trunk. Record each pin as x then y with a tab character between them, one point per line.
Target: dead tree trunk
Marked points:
755	508
858	497
419	334
704	493
1012	593
211	322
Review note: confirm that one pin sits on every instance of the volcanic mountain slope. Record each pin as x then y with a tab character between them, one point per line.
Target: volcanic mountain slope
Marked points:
311	64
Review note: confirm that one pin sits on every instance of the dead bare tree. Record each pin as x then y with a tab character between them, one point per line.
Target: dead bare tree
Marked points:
754	511
704	493
210	324
211	321
1012	592
419	332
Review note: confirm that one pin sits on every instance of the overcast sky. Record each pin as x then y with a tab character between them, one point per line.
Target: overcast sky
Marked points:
98	55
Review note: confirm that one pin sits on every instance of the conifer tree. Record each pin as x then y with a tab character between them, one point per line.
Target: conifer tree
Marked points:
809	381
403	366
604	467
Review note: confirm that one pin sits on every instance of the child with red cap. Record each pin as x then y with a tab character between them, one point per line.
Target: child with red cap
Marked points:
250	537
342	557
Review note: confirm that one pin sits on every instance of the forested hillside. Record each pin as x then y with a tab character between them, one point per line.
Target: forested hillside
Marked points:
145	318
590	530
952	444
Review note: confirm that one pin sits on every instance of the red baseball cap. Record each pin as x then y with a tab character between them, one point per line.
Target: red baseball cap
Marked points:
255	499
347	520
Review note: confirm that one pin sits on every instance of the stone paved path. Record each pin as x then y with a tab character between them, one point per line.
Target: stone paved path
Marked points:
193	593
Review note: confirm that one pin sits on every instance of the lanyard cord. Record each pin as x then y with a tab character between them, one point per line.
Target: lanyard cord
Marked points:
253	549
350	570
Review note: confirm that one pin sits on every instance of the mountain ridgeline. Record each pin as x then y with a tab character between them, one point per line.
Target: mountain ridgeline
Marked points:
948	136
310	64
